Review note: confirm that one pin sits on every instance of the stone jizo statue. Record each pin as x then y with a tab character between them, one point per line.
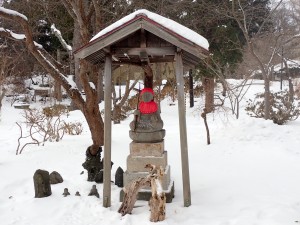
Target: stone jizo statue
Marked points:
94	191
147	125
66	192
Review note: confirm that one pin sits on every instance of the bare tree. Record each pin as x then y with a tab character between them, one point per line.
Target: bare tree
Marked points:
88	106
274	39
2	91
118	102
10	62
295	8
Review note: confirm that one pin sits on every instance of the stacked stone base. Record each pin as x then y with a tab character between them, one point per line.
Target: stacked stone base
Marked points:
142	154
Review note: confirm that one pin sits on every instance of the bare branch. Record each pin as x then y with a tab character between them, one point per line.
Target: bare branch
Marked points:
270	14
69	8
40	54
63	42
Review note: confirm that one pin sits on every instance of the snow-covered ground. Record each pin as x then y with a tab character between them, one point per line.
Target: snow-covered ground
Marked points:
249	175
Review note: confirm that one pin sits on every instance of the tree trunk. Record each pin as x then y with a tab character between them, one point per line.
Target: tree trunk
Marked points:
2	94
237	109
208	84
100	86
90	107
267	98
291	87
203	115
118	106
148	76
224	88
57	91
57	86
77	42
117	114
95	122
191	90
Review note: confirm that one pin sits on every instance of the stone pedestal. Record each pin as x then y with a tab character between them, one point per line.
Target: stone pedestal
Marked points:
147	153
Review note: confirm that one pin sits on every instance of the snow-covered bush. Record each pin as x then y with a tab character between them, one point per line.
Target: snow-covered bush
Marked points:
46	125
283	108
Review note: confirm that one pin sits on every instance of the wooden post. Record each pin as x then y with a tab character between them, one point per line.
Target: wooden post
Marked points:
182	128
107	134
191	90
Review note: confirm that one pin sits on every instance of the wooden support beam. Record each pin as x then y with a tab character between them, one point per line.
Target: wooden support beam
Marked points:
107	133
148	73
153	51
144	57
143	38
182	129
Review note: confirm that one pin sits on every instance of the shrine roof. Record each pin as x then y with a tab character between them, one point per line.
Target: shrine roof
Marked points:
169	24
166	29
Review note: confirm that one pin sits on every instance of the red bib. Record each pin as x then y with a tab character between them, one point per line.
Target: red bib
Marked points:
148	107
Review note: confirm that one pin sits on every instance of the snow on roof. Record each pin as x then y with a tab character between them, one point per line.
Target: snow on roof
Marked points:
165	22
290	63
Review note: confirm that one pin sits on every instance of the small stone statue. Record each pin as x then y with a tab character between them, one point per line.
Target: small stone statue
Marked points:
55	178
66	192
77	193
93	163
94	191
42	186
119	177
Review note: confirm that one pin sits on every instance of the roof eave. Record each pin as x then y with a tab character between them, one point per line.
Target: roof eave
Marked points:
139	22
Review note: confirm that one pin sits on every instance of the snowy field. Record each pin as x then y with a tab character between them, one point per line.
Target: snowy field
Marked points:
249	175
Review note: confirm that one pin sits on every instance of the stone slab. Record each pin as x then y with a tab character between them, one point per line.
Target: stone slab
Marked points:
145	195
147	137
129	177
138	163
147	149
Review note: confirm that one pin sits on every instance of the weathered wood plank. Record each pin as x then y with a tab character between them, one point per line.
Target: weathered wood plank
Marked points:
143	39
152	51
107	133
182	128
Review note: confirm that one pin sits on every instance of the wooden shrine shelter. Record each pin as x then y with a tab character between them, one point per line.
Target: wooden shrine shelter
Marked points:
142	39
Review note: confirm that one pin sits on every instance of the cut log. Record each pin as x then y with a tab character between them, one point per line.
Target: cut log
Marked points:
131	193
157	202
157	205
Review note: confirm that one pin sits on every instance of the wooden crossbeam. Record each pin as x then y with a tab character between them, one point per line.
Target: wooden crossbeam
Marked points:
152	51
